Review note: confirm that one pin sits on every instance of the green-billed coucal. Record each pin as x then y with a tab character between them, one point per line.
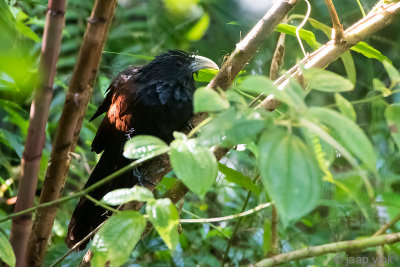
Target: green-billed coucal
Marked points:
155	99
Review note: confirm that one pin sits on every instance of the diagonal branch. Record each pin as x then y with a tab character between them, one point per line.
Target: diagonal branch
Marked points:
330	248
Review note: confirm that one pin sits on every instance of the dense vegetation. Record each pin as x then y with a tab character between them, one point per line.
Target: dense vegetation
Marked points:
328	156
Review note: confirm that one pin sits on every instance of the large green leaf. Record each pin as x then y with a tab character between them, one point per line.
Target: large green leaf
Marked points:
6	251
208	100
326	81
125	195
348	134
165	219
290	174
196	166
239	178
231	128
291	95
116	239
392	115
144	146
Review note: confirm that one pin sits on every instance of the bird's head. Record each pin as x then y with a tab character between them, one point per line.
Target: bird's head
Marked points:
176	65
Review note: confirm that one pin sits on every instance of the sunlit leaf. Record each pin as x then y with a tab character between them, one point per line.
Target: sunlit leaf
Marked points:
307	36
348	134
199	29
290	174
326	81
116	239
196	166
165	219
369	51
345	107
208	100
125	195
6	251
144	146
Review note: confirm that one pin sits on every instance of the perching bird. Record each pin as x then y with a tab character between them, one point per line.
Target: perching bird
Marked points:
155	99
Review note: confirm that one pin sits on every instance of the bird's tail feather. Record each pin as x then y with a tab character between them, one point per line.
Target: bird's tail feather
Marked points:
87	215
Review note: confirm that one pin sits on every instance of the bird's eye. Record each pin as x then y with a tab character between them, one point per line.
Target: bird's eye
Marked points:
179	63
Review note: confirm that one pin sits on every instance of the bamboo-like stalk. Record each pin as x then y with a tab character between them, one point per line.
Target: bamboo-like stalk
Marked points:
77	99
39	113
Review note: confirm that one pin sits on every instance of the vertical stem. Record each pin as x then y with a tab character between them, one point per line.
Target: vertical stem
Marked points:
39	113
77	99
274	233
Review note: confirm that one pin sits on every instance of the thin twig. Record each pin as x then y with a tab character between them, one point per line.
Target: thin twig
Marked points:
337	28
83	192
58	261
386	226
230	217
224	259
209	223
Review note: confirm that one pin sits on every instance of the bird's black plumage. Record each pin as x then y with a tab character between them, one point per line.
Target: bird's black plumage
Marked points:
155	99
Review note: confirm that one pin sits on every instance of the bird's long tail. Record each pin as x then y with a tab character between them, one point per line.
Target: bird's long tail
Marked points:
87	215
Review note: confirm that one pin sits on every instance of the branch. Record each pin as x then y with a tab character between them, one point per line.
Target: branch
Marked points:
330	248
39	113
337	28
328	53
76	101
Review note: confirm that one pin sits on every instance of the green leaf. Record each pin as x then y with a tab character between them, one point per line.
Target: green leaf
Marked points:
236	177
369	51
349	66
392	115
165	219
326	81
116	239
231	128
393	73
307	36
6	251
205	75
290	174
199	29
348	134
208	100
380	87
260	84
345	107
125	195
144	146
196	166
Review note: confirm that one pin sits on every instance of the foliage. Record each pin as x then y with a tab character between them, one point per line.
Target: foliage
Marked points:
328	156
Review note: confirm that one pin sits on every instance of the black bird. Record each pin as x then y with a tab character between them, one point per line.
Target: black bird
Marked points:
155	99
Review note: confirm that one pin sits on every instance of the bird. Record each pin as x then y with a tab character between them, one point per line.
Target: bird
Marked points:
154	99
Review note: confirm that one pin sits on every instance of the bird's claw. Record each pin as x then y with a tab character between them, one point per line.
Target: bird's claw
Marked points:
142	178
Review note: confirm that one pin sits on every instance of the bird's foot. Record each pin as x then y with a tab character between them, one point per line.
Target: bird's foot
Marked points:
129	133
141	177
